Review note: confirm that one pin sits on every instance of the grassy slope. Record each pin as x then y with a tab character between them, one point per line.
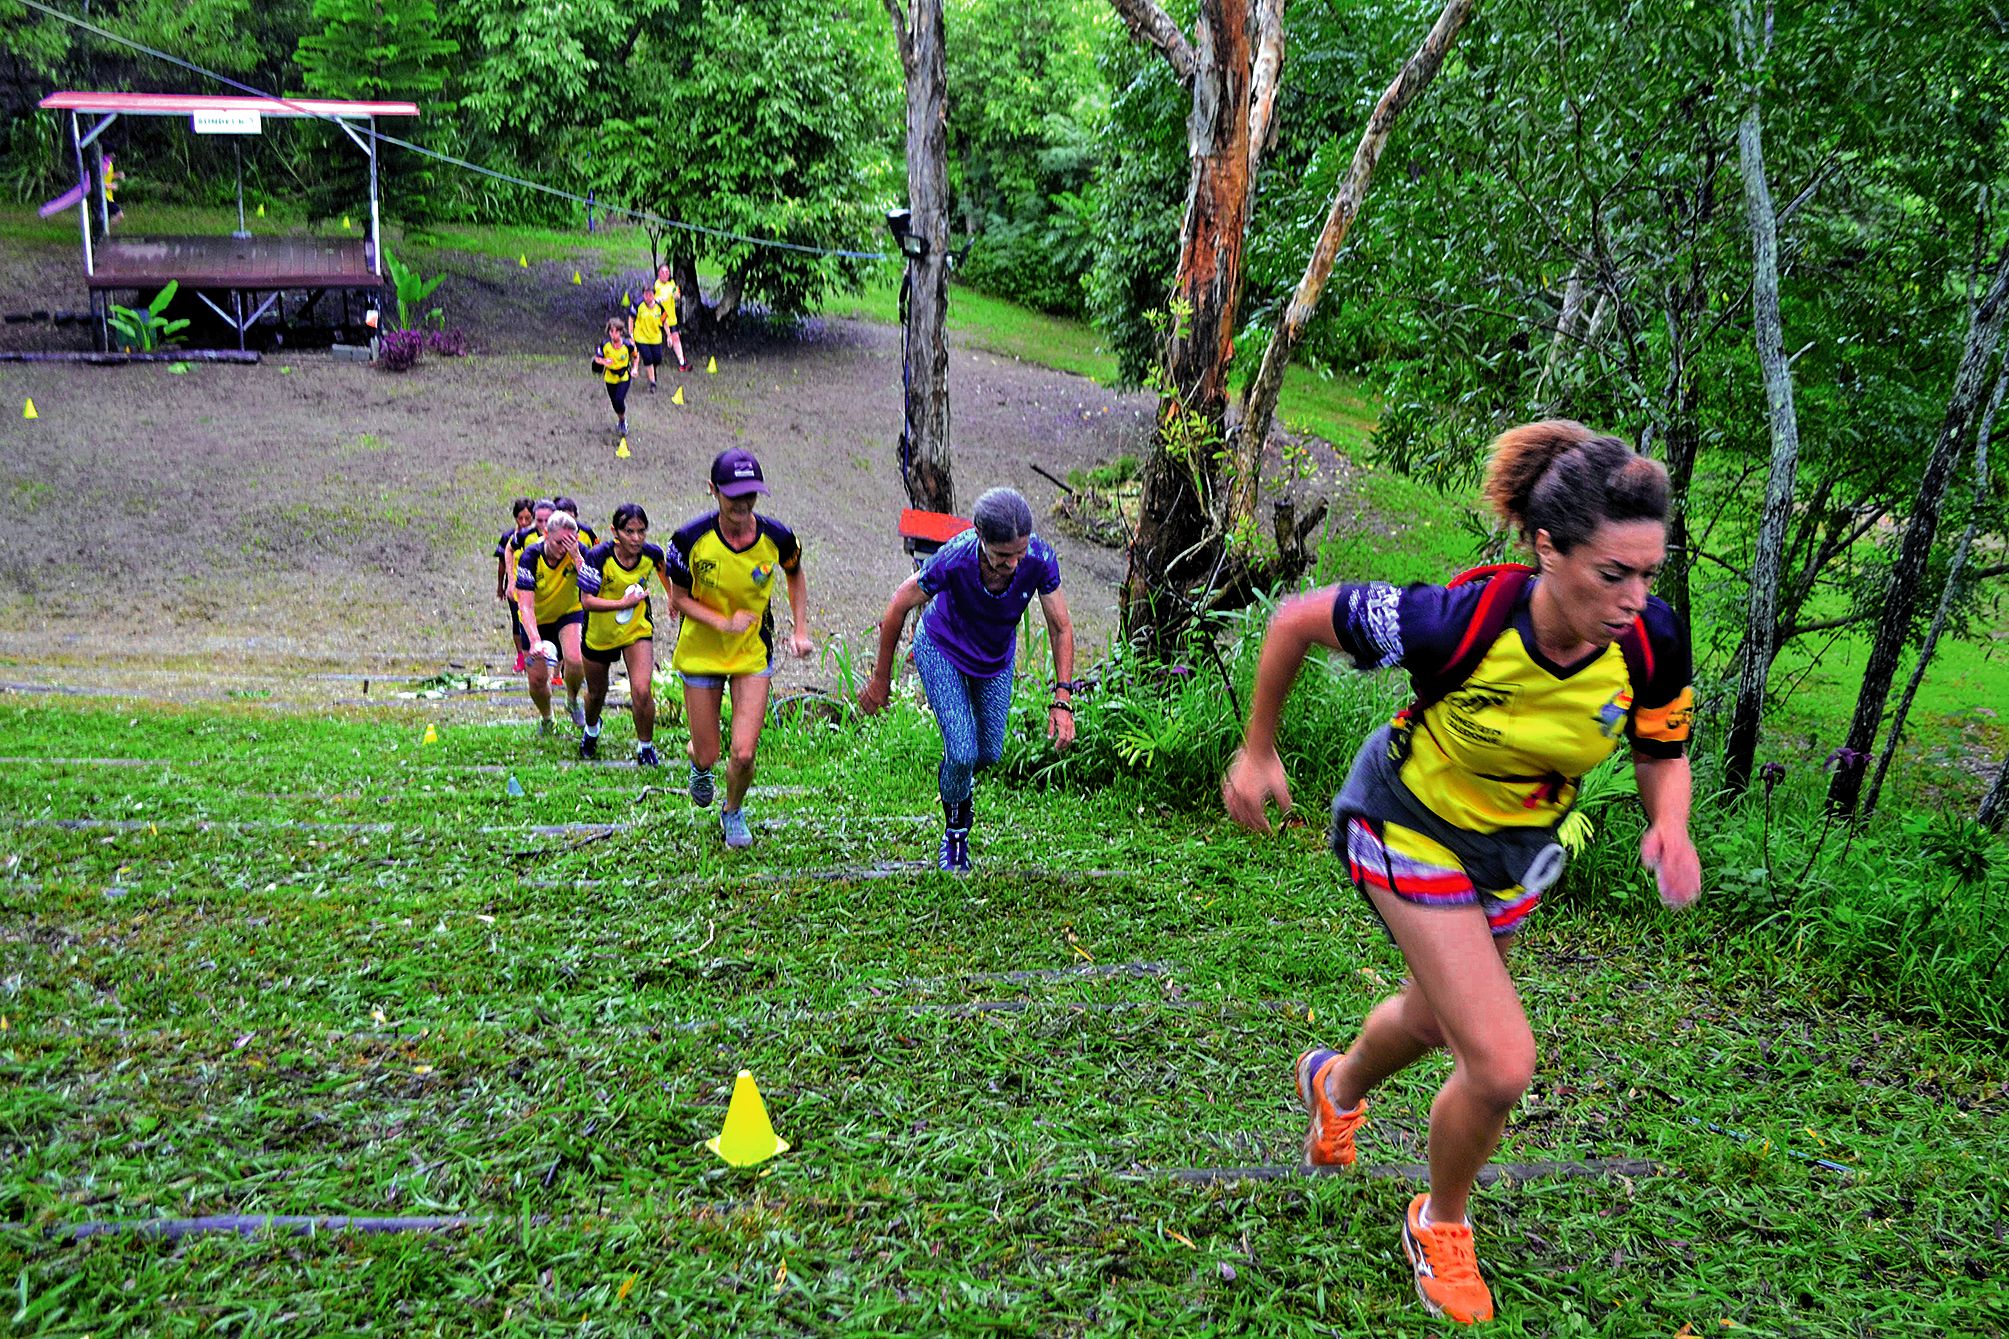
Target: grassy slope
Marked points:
193	1028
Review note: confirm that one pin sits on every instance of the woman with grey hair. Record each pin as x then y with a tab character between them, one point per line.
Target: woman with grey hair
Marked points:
976	588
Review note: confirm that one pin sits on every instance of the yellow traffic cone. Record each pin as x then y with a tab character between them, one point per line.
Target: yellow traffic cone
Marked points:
261	211
432	736
678	398
522	261
626	300
748	1138
711	366
28	410
576	279
346	225
621	451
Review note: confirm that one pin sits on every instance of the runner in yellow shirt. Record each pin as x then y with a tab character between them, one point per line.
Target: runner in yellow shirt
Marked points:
722	567
648	330
667	293
616	361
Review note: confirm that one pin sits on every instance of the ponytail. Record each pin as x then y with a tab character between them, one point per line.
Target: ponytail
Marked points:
1559	476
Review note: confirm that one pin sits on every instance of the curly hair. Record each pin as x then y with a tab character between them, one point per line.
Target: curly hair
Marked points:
1559	476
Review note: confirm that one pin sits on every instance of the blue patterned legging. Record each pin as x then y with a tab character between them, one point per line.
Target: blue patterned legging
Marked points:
972	713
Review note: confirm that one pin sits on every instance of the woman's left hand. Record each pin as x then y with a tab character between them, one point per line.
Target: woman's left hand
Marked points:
1060	726
800	646
1671	856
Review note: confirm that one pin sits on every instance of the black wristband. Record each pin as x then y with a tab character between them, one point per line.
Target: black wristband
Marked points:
1057	705
1071	685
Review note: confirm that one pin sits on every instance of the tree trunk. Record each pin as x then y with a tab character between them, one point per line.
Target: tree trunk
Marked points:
1414	76
1761	610
1174	511
1984	330
924	435
1946	594
1995	804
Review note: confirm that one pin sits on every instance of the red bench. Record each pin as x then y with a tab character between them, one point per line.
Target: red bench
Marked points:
922	532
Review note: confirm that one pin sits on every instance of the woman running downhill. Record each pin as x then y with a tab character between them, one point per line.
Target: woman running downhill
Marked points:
1525	681
505	572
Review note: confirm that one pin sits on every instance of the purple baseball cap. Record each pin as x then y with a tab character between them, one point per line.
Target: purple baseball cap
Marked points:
736	473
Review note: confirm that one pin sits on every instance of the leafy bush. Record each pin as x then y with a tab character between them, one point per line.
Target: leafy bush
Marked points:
412	291
447	341
397	350
145	329
1031	263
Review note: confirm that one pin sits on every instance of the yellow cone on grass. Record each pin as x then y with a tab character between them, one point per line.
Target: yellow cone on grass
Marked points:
627	299
576	279
432	736
346	225
28	409
261	211
621	451
711	365
522	261
678	398
748	1138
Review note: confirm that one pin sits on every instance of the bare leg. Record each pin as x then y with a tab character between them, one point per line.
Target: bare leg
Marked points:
677	347
1459	991
540	684
575	663
749	713
641	660
1399	1031
596	693
701	713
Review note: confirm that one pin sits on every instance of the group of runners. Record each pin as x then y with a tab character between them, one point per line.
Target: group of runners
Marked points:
637	340
1525	678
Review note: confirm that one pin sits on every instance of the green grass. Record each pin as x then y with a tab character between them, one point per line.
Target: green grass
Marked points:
210	1011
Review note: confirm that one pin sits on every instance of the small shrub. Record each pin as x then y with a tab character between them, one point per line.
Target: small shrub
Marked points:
399	349
447	342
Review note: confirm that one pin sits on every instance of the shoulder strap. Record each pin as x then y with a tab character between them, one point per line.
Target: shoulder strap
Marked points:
1504	585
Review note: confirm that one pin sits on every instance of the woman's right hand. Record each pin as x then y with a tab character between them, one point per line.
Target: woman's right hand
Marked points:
1254	779
872	697
739	621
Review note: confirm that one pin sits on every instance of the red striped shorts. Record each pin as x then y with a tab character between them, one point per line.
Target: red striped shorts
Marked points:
1418	869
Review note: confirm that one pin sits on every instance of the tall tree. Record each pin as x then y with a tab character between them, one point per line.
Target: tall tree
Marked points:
1762	610
1900	601
925	464
374	49
1949	593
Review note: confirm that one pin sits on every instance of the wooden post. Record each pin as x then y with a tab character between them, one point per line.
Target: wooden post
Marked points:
925	459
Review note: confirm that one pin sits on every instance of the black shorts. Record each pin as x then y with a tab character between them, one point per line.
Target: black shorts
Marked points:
617	395
612	657
549	631
516	627
652	354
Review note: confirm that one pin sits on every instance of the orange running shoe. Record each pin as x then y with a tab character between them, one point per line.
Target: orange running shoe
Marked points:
1329	1141
1447	1272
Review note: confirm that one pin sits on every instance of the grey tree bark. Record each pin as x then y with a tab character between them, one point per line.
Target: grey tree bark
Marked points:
1954	570
1761	610
925	459
1995	804
1984	332
1414	76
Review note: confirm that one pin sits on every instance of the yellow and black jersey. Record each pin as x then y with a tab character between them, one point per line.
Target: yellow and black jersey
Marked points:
620	361
726	580
601	574
648	324
1507	747
556	586
667	293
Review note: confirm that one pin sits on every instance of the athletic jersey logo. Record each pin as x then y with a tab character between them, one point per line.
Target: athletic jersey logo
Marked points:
1611	716
761	574
1463	709
703	568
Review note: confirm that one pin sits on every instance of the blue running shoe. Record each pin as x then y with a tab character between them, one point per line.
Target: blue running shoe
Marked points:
701	786
732	822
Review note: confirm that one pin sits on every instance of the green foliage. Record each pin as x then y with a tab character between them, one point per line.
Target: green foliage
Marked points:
145	329
375	49
759	119
412	291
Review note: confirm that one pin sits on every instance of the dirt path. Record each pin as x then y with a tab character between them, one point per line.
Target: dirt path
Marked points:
306	516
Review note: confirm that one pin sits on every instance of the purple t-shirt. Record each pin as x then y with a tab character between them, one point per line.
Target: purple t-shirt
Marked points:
975	628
